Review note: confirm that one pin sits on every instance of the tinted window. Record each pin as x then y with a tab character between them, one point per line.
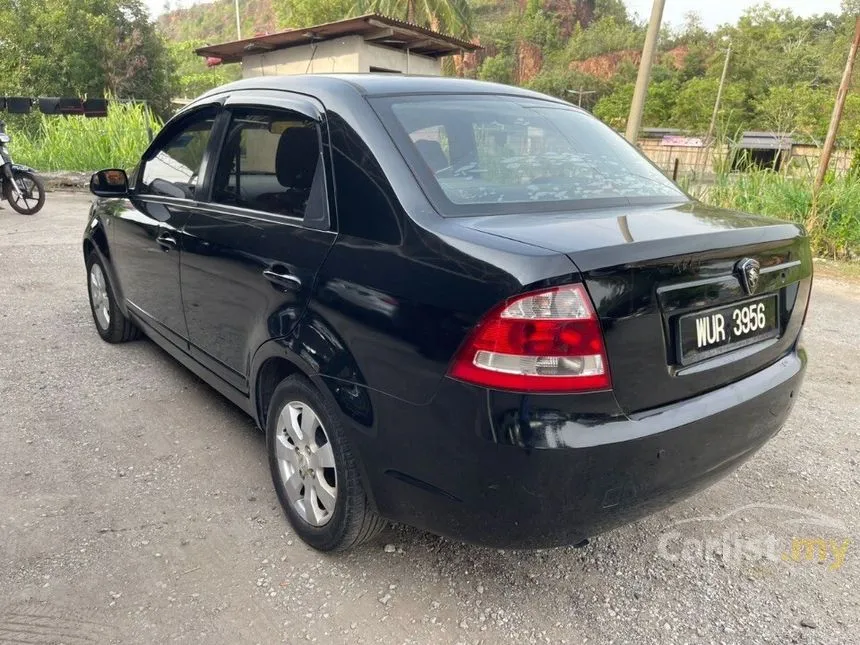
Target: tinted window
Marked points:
174	168
505	151
366	204
271	162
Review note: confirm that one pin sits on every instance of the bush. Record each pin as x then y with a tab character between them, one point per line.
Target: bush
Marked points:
79	143
832	220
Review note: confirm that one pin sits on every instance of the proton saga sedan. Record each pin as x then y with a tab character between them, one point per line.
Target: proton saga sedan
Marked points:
467	307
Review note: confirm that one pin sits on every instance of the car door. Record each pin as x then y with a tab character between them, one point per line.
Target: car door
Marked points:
145	235
251	254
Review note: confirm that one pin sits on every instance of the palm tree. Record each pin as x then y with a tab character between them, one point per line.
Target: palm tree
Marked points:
453	16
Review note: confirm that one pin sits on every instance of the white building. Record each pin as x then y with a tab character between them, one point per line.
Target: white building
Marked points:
370	43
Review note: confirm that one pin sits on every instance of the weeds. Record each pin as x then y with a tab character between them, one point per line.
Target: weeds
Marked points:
832	219
79	143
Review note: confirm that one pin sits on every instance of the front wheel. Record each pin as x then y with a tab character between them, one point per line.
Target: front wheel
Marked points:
25	192
111	323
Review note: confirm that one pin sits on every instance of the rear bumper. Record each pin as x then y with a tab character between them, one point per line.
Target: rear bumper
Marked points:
522	471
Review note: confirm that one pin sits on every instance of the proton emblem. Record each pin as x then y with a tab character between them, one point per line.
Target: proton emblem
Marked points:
748	271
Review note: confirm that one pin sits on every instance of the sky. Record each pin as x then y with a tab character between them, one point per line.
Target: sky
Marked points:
717	12
712	12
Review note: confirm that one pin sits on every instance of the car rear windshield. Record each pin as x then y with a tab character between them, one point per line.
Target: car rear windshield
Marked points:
479	154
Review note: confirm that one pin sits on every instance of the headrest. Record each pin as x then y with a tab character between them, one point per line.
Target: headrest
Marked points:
297	156
432	153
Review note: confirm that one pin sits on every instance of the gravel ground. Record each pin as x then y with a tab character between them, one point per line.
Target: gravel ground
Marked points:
136	507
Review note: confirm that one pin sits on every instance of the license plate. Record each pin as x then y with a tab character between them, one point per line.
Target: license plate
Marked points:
711	332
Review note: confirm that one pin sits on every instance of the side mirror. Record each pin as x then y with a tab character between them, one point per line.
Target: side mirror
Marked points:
109	183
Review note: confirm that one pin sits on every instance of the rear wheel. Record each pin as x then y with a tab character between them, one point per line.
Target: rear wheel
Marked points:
111	323
314	470
25	193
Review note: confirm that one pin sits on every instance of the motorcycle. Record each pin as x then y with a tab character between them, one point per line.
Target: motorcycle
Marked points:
19	184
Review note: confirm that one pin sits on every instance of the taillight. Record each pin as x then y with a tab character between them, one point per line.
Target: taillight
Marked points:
544	341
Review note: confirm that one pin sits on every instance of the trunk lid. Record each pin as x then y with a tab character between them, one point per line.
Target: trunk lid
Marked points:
646	267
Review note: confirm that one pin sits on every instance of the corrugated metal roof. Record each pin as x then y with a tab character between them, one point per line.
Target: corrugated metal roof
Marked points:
376	28
658	133
756	140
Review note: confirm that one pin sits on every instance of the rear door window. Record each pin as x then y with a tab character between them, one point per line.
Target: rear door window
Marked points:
271	161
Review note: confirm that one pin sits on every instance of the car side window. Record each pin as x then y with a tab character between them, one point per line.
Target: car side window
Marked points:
270	162
172	171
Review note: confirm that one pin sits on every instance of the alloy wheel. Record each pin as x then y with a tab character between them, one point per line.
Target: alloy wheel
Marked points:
99	296
306	461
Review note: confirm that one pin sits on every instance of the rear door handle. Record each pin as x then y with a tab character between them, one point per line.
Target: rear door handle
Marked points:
282	279
166	241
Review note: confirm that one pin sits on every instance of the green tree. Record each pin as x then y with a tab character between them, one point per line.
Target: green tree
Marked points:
694	105
193	77
614	9
215	22
559	82
83	47
693	32
499	68
660	103
614	108
695	61
603	36
795	109
451	16
772	47
306	13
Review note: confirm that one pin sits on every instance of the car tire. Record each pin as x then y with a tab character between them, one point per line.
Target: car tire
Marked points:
312	468
111	324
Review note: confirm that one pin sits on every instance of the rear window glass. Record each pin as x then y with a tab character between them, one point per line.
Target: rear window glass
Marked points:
470	152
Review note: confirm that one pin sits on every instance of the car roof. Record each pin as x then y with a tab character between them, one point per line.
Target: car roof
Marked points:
379	85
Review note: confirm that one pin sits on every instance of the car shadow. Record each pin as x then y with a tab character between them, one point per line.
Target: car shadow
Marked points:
428	551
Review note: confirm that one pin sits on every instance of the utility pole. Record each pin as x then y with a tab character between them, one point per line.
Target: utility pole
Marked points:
238	24
719	95
634	121
579	93
824	162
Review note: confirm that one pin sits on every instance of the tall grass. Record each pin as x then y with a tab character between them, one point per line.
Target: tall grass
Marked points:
79	143
832	218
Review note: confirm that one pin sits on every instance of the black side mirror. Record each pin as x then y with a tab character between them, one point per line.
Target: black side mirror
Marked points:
109	183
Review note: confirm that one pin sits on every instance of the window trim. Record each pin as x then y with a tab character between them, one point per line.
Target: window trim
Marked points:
174	126
277	101
213	208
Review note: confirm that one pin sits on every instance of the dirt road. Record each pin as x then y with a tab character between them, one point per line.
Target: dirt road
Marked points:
136	507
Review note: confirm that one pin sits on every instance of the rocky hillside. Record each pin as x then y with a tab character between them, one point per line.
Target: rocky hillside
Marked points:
216	22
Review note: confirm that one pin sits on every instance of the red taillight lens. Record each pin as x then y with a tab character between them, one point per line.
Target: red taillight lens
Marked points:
544	341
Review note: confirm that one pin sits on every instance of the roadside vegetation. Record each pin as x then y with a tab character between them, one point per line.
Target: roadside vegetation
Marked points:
79	143
832	218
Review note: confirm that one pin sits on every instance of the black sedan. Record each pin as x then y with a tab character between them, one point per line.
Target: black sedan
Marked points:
463	306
